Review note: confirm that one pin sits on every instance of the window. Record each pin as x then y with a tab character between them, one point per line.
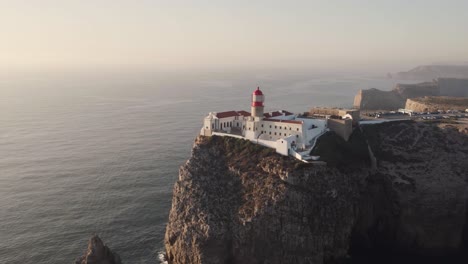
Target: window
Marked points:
275	133
230	124
280	127
249	128
297	136
289	128
276	127
270	132
262	125
206	128
270	126
297	129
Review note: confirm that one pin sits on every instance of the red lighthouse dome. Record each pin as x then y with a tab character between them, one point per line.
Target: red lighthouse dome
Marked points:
257	97
258	91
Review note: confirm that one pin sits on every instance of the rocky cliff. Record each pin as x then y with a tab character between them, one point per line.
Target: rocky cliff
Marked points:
432	103
236	202
374	99
98	253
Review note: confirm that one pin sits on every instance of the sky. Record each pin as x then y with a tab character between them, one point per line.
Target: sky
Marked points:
241	33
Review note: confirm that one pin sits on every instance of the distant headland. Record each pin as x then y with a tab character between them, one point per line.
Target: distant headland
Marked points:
429	72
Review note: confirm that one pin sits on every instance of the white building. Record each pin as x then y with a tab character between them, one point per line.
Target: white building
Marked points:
281	130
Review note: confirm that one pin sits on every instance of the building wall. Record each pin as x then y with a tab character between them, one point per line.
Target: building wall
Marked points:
312	128
355	113
342	127
277	134
271	130
226	123
283	145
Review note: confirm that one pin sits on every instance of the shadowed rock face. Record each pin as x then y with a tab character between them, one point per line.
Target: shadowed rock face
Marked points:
98	253
236	202
416	200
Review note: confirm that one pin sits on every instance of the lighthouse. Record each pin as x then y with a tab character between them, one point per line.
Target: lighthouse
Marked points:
257	104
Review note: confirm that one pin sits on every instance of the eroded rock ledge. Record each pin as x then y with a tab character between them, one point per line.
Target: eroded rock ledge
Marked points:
236	202
98	253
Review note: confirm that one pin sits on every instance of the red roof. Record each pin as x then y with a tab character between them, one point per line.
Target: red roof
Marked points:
243	113
258	91
226	114
283	121
232	113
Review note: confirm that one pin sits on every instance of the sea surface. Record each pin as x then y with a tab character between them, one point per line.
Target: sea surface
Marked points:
98	152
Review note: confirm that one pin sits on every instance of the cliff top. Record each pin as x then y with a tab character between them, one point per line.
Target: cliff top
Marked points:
443	100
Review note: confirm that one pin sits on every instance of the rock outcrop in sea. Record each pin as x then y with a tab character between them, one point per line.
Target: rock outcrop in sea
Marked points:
394	187
98	253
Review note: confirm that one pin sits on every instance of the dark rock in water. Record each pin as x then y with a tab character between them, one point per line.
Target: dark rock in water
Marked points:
98	253
236	202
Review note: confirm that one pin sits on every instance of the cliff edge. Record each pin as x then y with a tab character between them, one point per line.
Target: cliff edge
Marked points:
236	202
375	99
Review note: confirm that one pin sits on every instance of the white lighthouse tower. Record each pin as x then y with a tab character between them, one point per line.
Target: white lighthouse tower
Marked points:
257	104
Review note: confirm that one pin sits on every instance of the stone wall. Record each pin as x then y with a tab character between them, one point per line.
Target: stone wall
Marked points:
342	127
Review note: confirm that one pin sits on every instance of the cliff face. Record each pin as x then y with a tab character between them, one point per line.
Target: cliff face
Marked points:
98	253
405	91
253	206
374	99
431	104
416	199
236	202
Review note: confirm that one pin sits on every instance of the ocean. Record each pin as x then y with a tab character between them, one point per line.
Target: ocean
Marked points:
98	152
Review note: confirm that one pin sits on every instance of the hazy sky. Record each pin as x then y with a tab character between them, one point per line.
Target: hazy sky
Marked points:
48	33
